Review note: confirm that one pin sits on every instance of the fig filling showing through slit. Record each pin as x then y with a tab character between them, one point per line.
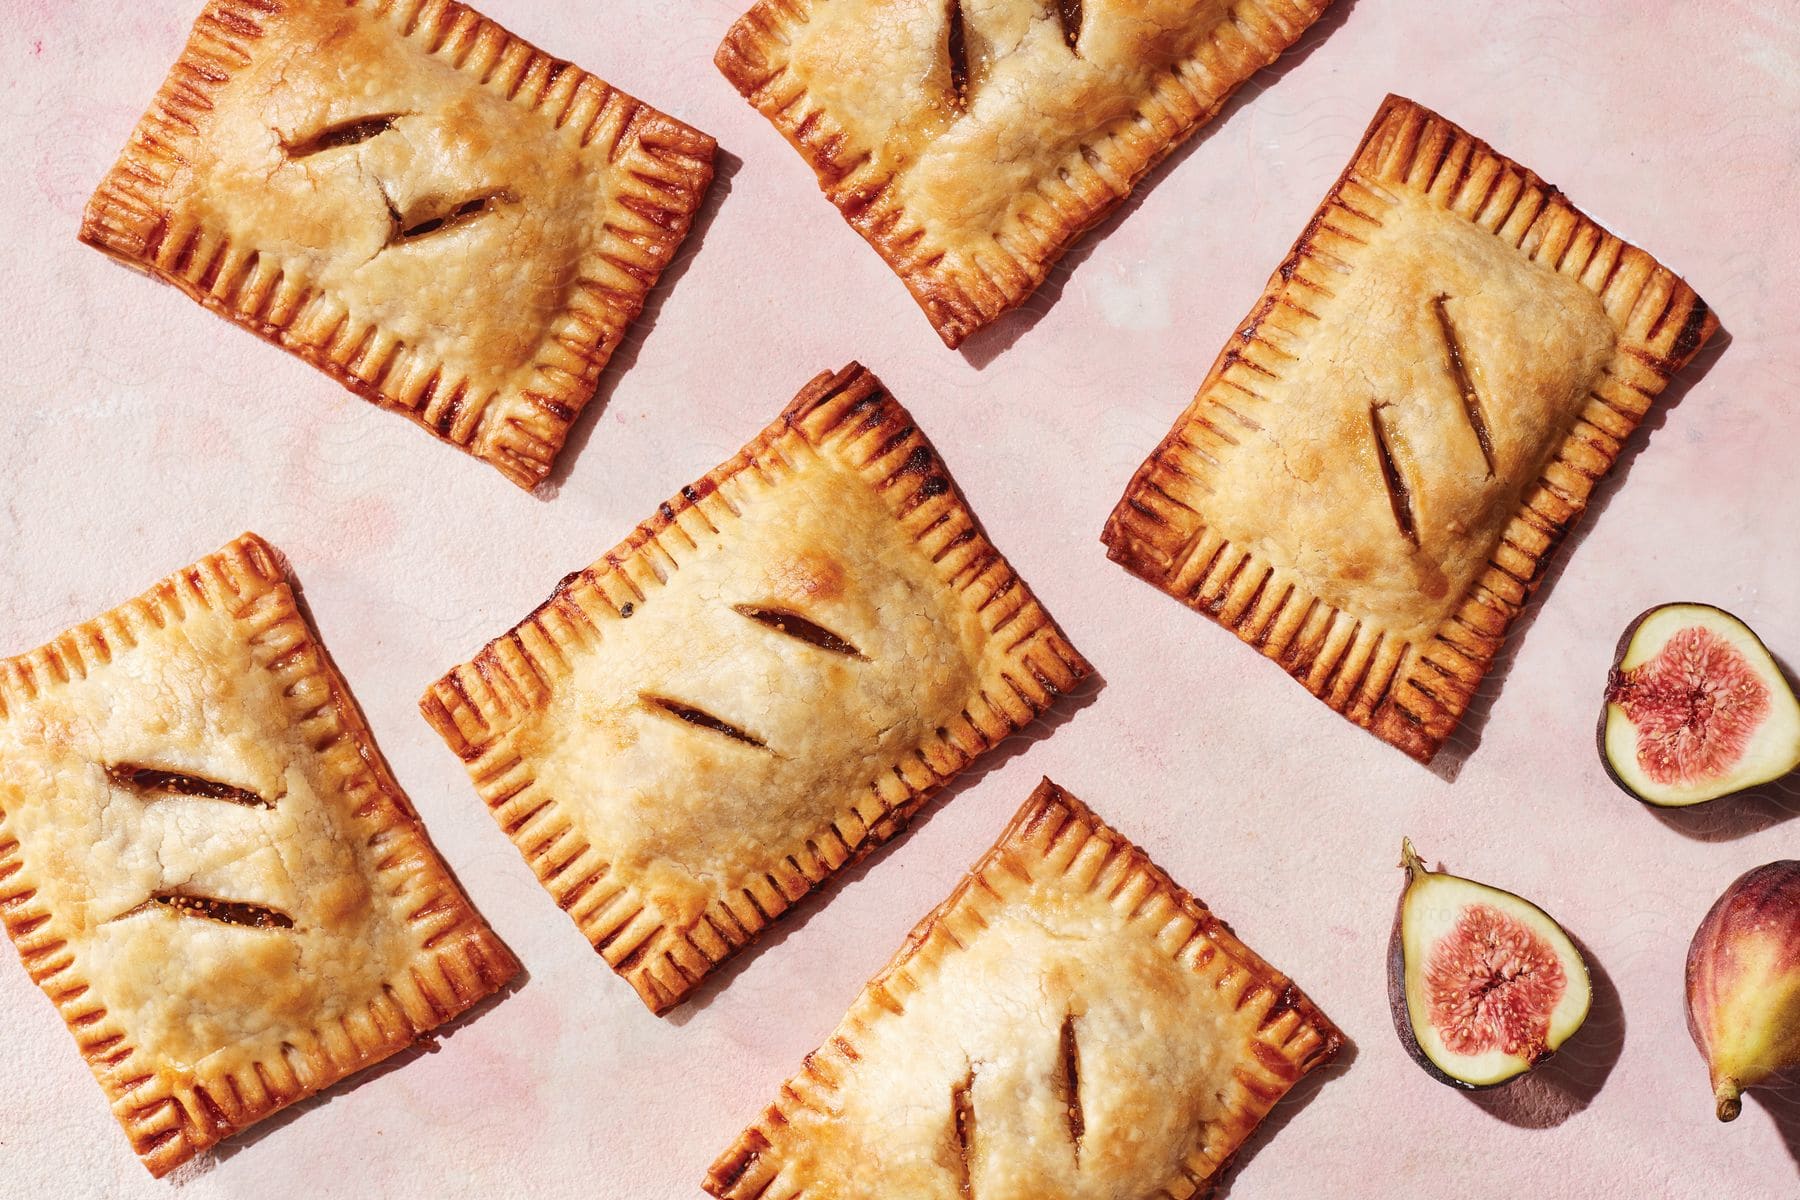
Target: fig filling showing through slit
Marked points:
226	912
155	783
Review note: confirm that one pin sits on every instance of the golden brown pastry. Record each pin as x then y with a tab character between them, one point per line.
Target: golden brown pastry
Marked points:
758	686
206	866
972	141
1376	471
446	220
1070	1023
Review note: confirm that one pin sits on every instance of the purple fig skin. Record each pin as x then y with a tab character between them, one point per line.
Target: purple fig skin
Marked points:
1403	1017
1397	998
1612	673
1743	983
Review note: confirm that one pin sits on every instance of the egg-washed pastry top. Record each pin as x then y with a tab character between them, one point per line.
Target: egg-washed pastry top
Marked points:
972	141
758	686
1070	1023
447	220
1377	470
206	866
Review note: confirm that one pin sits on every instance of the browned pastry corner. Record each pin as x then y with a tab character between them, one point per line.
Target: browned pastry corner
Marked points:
972	144
446	220
207	867
1069	1023
758	686
1376	471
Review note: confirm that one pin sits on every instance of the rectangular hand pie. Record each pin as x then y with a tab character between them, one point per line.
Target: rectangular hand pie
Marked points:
972	141
206	866
1070	1023
758	686
1377	469
446	220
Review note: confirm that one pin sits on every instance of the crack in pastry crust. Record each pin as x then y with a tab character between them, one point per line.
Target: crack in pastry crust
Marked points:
972	144
1069	1022
1376	471
218	955
443	218
679	775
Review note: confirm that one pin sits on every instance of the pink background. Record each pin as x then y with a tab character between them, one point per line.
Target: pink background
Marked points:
141	432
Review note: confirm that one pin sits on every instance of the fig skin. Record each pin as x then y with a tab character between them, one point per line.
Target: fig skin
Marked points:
1403	1018
1620	650
1743	983
1396	963
1397	1003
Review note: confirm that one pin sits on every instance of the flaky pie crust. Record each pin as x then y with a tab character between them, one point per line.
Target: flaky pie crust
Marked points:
1069	1022
757	687
196	1029
446	220
972	182
1379	466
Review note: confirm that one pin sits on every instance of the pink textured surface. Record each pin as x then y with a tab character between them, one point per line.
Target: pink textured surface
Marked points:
141	432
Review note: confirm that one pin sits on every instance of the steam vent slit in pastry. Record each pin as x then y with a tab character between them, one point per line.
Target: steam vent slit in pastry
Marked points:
1377	470
208	869
1070	1023
755	688
446	220
971	142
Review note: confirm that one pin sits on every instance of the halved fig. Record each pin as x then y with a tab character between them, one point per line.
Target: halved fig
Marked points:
1484	985
1696	708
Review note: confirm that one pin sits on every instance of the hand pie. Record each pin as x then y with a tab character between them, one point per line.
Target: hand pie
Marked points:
444	219
1070	1023
972	141
1376	471
206	866
758	686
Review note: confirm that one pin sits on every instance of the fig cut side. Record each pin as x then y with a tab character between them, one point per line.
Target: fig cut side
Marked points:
1484	985
1696	708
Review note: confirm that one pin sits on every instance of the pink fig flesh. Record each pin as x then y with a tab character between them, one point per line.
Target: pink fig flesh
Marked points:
1494	981
1695	706
1743	983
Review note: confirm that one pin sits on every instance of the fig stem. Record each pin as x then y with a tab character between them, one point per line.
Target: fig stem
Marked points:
1729	1103
1409	858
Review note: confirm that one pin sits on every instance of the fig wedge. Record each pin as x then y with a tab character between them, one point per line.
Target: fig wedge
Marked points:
1484	985
1696	708
1743	983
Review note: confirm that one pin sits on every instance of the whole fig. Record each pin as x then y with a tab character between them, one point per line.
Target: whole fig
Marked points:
1743	983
